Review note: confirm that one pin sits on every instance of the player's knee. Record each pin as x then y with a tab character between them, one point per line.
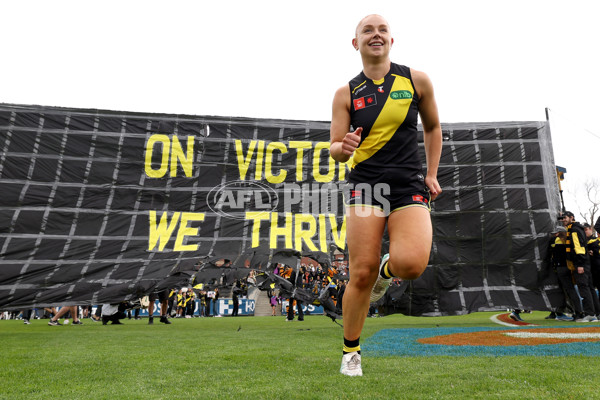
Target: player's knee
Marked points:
364	278
412	273
408	269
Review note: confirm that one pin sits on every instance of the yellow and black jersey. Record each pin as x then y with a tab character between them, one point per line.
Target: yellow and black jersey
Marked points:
558	249
576	246
594	251
387	110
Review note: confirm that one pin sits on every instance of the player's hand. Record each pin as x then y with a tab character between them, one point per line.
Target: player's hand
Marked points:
580	270
434	187
351	142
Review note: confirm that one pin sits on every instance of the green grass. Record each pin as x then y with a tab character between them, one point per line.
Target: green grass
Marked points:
266	358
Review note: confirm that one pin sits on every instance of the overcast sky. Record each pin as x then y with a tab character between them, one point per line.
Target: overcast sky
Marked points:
489	61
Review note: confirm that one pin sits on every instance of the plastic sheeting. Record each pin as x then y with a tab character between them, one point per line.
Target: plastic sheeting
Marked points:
102	206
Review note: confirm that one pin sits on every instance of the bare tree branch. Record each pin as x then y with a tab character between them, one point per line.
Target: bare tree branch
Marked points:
591	210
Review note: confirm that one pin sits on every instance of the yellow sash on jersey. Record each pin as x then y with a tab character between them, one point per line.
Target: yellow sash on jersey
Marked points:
392	115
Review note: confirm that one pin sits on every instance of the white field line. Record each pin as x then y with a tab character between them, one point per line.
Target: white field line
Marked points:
549	335
495	319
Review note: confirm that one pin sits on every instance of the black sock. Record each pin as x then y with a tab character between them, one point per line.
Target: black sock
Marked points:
351	345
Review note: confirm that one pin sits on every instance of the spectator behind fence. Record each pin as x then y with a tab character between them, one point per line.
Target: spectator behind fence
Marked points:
235	294
190	303
215	303
274	301
204	302
180	299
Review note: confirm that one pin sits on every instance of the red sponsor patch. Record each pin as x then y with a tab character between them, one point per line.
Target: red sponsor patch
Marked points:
363	102
418	197
355	193
359	103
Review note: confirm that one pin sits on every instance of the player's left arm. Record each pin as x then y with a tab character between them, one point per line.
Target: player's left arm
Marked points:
431	128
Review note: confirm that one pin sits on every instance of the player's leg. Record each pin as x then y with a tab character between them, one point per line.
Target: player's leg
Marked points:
75	315
364	230
54	320
164	306
152	299
411	234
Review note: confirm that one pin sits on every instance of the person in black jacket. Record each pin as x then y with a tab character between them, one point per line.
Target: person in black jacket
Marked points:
578	262
235	295
558	259
593	246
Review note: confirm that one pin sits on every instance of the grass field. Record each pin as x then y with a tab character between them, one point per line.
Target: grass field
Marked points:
268	358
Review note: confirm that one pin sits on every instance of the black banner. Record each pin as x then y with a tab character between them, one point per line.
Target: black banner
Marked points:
101	206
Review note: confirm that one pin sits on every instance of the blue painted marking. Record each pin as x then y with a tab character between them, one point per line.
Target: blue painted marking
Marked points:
403	342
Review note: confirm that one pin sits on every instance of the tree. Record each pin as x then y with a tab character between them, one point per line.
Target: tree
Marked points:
591	196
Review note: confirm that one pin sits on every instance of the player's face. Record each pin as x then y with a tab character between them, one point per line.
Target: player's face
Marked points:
373	36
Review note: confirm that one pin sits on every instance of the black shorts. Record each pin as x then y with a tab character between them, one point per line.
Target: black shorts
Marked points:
163	295
388	201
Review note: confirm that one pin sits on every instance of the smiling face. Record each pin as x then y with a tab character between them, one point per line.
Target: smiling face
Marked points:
567	220
373	37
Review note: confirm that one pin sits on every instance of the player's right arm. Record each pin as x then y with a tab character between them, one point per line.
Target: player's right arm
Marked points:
343	142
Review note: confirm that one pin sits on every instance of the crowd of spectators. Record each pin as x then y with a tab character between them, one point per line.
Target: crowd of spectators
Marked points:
199	301
184	302
574	256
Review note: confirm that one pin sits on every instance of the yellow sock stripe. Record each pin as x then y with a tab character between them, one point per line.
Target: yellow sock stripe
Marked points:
351	349
386	271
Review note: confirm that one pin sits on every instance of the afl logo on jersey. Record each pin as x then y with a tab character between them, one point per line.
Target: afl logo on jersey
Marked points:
380	89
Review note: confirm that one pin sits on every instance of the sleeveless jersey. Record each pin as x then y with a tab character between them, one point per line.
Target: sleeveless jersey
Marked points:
387	110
